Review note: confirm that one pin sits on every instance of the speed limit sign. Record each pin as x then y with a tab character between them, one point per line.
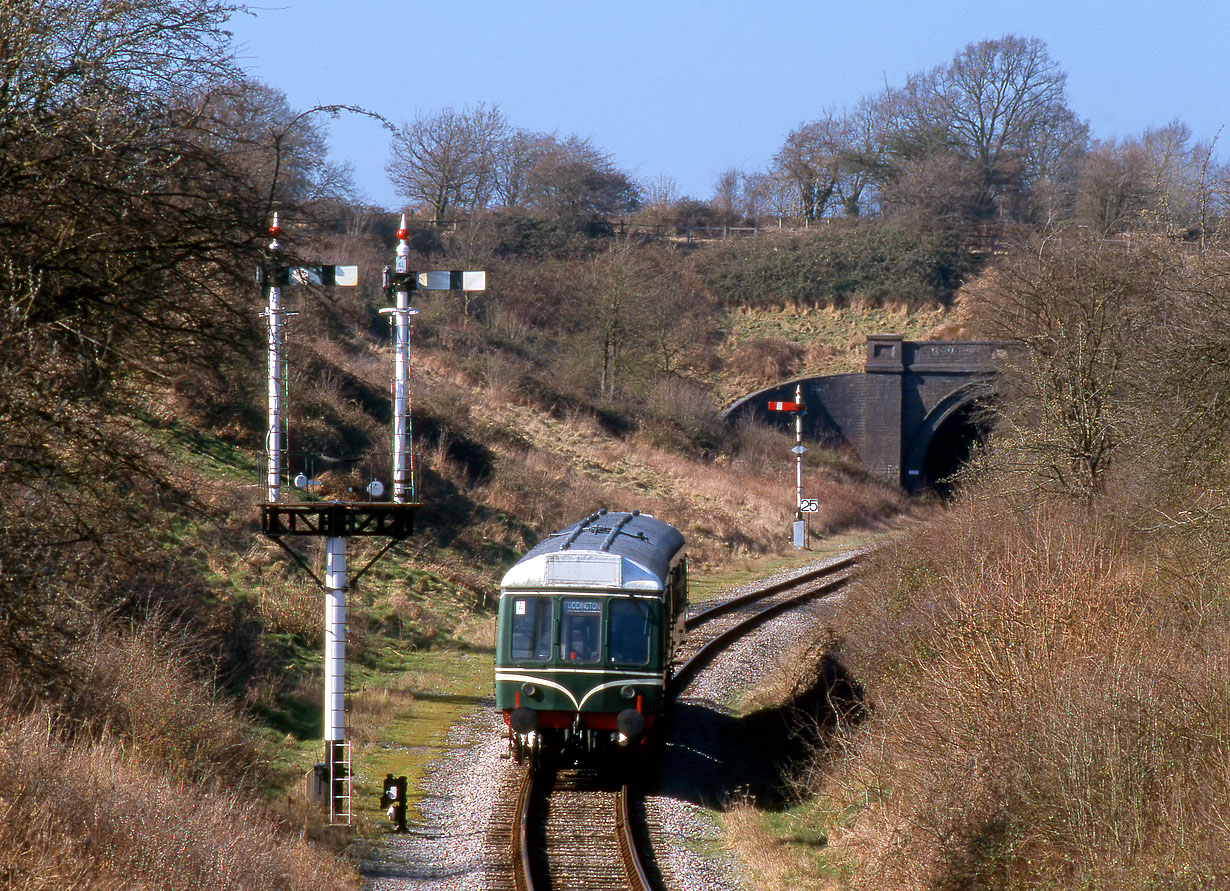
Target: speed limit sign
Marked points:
809	505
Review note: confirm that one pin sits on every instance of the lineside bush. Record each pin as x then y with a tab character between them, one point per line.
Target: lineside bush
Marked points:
99	815
1044	712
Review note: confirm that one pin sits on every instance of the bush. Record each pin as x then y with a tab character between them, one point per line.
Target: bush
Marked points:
522	235
136	685
765	360
869	261
100	815
1045	713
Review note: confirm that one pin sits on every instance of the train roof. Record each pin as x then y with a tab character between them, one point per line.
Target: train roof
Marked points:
605	550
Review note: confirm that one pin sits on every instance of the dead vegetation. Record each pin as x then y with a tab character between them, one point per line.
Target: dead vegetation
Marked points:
103	814
1045	712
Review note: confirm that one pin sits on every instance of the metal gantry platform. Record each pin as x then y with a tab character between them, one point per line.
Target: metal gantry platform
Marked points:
338	519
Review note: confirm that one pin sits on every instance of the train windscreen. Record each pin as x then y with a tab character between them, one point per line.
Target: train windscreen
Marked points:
628	632
531	629
580	630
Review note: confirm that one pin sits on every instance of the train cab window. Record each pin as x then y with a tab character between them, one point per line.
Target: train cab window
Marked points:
531	629
580	630
628	632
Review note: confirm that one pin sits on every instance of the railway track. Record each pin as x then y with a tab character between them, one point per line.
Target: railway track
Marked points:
574	827
713	627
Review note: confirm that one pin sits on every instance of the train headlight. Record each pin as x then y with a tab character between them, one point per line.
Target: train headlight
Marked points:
628	692
630	723
529	689
523	720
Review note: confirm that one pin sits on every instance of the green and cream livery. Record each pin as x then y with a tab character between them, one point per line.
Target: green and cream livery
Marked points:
589	623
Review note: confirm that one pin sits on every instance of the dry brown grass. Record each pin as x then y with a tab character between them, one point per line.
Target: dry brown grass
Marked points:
766	859
100	815
372	708
290	605
1046	713
136	685
143	777
727	507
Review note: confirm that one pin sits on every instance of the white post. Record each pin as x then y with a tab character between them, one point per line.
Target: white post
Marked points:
273	439
335	642
798	452
403	481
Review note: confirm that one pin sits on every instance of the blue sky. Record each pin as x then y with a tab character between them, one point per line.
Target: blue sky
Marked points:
686	89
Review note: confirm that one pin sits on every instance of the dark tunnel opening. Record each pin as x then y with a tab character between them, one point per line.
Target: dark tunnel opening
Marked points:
952	444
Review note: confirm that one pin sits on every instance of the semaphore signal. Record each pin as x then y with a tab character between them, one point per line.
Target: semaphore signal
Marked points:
801	505
399	281
338	521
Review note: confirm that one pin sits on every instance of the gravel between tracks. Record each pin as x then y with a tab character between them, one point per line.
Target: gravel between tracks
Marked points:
446	850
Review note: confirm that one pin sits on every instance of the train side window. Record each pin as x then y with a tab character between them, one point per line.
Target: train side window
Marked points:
580	630
531	629
628	632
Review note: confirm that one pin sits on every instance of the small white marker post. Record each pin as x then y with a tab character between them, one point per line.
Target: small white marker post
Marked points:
798	448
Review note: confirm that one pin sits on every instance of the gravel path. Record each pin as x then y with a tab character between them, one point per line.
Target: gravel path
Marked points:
705	756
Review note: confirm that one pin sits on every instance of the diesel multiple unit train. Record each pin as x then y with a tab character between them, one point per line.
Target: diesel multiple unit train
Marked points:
589	623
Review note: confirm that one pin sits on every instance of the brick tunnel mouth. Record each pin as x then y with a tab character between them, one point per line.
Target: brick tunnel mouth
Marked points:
952	444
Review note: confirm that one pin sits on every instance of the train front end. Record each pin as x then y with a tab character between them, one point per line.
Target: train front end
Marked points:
588	623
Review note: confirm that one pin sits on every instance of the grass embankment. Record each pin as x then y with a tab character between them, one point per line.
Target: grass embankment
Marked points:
1048	708
767	346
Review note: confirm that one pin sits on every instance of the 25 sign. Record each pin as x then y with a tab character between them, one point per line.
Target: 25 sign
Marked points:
809	505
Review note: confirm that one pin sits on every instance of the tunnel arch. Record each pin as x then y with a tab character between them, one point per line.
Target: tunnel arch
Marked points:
947	436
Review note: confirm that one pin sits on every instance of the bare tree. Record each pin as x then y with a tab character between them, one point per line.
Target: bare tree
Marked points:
757	194
1112	190
659	199
809	163
861	162
1161	181
573	180
1178	172
449	160
125	232
727	198
515	158
1086	313
999	107
283	149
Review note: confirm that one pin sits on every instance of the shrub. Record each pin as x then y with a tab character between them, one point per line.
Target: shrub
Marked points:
870	261
101	815
765	360
137	684
1045	715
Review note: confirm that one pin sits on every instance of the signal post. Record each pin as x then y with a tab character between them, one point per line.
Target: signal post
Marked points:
802	505
336	522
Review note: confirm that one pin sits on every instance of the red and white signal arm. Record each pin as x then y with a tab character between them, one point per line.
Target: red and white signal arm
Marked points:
785	406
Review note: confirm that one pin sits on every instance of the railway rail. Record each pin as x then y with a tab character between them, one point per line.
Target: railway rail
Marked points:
734	617
570	826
